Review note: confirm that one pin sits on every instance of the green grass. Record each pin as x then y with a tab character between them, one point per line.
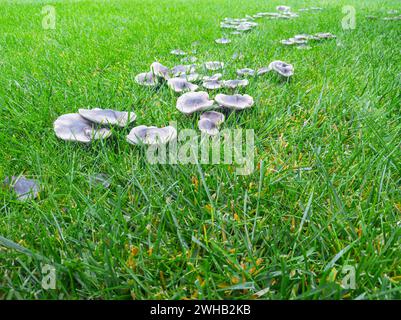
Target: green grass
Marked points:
175	232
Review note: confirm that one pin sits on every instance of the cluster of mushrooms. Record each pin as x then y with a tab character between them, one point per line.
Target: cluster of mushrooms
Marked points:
301	40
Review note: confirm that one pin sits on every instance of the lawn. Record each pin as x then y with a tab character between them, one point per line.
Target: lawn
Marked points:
324	198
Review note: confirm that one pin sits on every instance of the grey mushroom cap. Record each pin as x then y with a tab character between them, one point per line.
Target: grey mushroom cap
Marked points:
283	8
183	69
208	127
263	70
194	101
214	65
232	84
282	68
234	102
178	52
212	84
108	116
181	85
190	76
214	116
24	188
216	76
223	41
74	127
160	70
151	135
245	72
146	79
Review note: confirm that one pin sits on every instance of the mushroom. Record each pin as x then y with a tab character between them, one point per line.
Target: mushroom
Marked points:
146	79
214	77
232	84
263	70
325	35
190	76
245	72
214	65
222	41
282	68
283	8
234	102
24	188
194	101
183	69
210	121
108	116
178	52
74	127
212	84
160	71
151	135
181	85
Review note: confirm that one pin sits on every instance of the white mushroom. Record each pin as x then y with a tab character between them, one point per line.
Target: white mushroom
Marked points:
222	41
194	101
325	35
181	85
24	188
73	127
263	70
214	65
212	84
108	116
151	135
232	84
146	79
234	102
282	68
210	121
160	71
214	77
245	72
178	52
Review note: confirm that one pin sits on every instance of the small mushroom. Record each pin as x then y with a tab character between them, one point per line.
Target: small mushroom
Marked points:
183	69
181	85
283	8
212	84
234	102
214	65
74	127
178	52
232	84
190	76
245	72
222	41
325	35
146	79
282	68
160	71
151	135
108	116
210	121
194	101
24	188
263	70
214	77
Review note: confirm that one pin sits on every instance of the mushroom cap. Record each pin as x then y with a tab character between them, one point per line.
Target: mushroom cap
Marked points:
194	101
108	116
216	76
234	102
146	79
232	84
282	68
214	65
212	84
245	72
178	52
222	41
214	116
208	127
183	69
24	188
190	76
181	85
283	8
160	71
151	135
74	127
263	70
325	35
287	42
